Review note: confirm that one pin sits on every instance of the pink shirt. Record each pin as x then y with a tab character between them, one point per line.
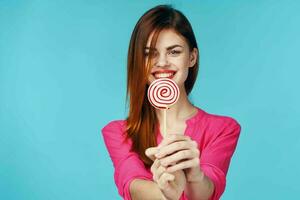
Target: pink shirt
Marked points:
217	138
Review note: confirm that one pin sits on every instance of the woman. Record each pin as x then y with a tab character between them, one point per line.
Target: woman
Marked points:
192	160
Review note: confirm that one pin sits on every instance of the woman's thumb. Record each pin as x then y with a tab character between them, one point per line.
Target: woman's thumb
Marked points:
150	152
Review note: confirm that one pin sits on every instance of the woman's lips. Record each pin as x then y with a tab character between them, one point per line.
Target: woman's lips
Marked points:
164	74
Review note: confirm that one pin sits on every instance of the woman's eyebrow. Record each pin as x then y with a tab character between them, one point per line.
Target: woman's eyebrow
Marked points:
169	47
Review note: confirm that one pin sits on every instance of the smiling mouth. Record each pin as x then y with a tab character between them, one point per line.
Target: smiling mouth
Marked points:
164	74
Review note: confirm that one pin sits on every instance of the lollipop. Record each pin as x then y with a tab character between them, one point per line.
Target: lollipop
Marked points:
162	94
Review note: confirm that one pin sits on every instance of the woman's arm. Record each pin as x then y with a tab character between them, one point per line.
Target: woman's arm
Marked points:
145	190
127	165
215	159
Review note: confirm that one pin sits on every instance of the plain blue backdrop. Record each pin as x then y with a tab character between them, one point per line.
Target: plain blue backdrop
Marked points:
63	77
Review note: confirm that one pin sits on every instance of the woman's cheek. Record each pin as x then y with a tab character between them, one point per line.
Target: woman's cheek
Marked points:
182	76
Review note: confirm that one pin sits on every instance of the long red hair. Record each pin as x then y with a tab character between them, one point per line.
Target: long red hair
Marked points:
142	121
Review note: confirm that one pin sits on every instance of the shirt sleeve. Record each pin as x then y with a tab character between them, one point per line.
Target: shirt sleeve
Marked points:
127	165
215	157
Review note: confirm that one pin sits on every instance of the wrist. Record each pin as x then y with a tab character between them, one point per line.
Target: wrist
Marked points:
163	197
197	176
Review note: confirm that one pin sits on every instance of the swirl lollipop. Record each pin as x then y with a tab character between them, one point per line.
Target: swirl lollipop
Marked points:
162	94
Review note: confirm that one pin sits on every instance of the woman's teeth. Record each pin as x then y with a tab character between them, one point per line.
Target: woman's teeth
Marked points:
163	75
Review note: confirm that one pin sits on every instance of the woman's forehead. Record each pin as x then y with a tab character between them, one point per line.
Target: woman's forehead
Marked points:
167	38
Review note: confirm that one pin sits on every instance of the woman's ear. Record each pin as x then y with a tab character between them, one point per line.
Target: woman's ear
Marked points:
193	57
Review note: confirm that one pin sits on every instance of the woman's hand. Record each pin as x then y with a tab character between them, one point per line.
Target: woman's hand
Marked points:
171	184
179	152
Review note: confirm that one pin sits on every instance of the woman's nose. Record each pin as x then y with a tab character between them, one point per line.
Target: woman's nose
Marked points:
161	61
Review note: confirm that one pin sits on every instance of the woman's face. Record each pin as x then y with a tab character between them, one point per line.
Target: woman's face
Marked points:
172	57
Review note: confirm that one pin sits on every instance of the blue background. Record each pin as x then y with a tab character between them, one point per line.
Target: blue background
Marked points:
63	77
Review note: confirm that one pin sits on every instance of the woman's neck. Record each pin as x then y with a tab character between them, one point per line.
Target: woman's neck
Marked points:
181	111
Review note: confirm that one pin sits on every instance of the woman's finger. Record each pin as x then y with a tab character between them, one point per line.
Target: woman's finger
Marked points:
170	138
160	170
154	166
184	165
150	152
163	181
173	147
178	156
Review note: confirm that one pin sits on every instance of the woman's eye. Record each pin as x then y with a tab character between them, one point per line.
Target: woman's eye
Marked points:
147	53
175	52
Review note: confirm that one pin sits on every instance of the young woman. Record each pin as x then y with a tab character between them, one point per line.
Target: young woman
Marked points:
192	160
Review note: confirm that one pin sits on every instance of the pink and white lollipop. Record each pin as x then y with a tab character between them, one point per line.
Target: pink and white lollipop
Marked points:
162	94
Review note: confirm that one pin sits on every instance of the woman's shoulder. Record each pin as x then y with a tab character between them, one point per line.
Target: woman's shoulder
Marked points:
118	123
114	126
217	121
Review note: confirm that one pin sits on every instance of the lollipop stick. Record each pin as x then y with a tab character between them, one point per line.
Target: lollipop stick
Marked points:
162	94
165	123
